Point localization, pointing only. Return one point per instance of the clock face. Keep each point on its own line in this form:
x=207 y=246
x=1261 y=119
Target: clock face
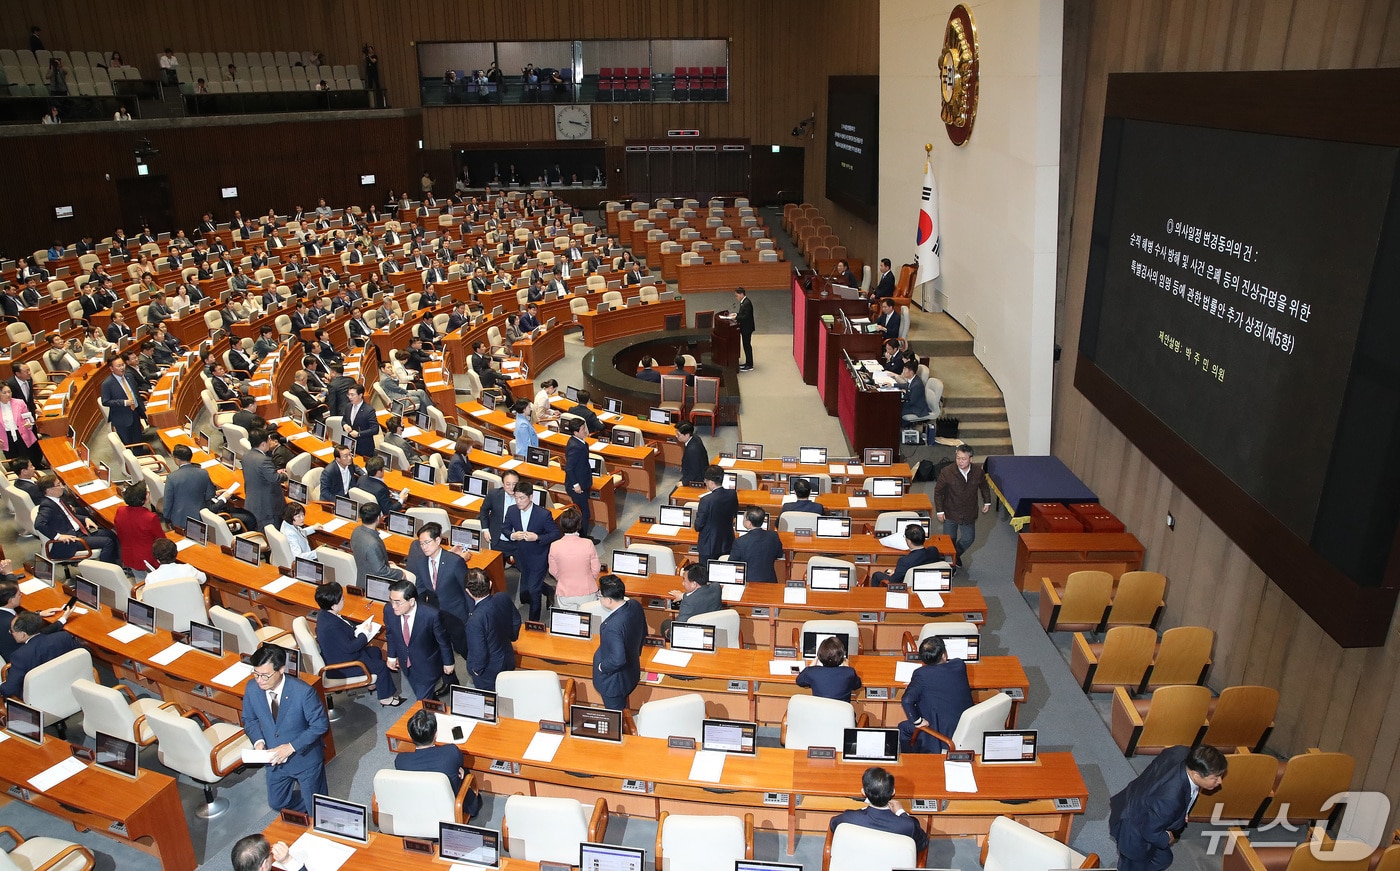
x=573 y=122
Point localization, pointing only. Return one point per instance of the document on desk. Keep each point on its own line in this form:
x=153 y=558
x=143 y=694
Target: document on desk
x=543 y=747
x=90 y=487
x=109 y=502
x=183 y=543
x=510 y=464
x=208 y=463
x=481 y=412
x=332 y=525
x=895 y=540
x=855 y=470
x=69 y=467
x=446 y=723
x=126 y=633
x=171 y=653
x=957 y=777
x=319 y=854
x=411 y=431
x=444 y=444
x=676 y=658
x=234 y=675
x=731 y=592
x=33 y=585
x=56 y=774
x=252 y=756
x=708 y=766
x=725 y=462
x=855 y=502
x=466 y=501
x=177 y=432
x=838 y=469
x=785 y=667
x=663 y=529
x=930 y=599
x=278 y=585
x=794 y=595
x=904 y=671
x=897 y=600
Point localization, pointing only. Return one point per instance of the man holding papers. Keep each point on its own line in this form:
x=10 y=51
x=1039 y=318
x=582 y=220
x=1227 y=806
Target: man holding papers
x=937 y=696
x=286 y=717
x=918 y=555
x=617 y=664
x=882 y=811
x=343 y=641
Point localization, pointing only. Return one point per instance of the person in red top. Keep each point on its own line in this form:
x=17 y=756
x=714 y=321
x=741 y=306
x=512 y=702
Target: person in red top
x=137 y=527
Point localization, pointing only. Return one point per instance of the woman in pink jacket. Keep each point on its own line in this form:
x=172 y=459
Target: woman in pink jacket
x=17 y=436
x=573 y=561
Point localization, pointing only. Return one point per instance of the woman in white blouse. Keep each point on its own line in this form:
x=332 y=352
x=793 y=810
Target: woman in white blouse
x=96 y=344
x=295 y=530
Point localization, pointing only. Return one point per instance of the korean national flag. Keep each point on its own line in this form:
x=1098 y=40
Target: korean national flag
x=927 y=236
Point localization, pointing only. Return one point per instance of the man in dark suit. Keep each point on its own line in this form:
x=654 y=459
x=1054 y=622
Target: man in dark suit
x=938 y=694
x=339 y=476
x=263 y=496
x=533 y=531
x=60 y=522
x=360 y=329
x=22 y=386
x=337 y=391
x=884 y=289
x=417 y=640
x=883 y=811
x=372 y=482
x=428 y=755
x=286 y=716
x=492 y=513
x=696 y=596
x=694 y=458
x=802 y=489
x=714 y=520
x=757 y=548
x=117 y=329
x=359 y=421
x=247 y=415
x=578 y=475
x=10 y=608
x=889 y=319
x=125 y=410
x=743 y=316
x=617 y=664
x=26 y=479
x=583 y=410
x=440 y=577
x=342 y=641
x=1149 y=815
x=188 y=488
x=34 y=647
x=223 y=390
x=491 y=630
x=918 y=555
x=647 y=372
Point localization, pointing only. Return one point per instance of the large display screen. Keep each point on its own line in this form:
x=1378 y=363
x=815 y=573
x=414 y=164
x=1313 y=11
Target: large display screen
x=852 y=143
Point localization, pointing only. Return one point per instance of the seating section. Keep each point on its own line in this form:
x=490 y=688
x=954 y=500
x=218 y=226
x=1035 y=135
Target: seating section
x=1261 y=787
x=1092 y=601
x=1131 y=657
x=813 y=234
x=90 y=73
x=259 y=72
x=1241 y=717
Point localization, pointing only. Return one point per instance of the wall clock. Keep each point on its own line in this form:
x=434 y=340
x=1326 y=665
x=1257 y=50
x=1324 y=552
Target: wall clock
x=573 y=122
x=957 y=74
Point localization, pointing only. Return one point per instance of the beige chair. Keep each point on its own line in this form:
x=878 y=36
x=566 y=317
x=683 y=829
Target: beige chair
x=1243 y=793
x=1123 y=659
x=246 y=630
x=848 y=630
x=1014 y=846
x=857 y=848
x=44 y=854
x=706 y=401
x=108 y=576
x=1083 y=605
x=1138 y=599
x=411 y=804
x=1173 y=715
x=279 y=551
x=49 y=687
x=541 y=829
x=533 y=695
x=792 y=520
x=680 y=716
x=1183 y=657
x=988 y=715
x=182 y=598
x=663 y=559
x=810 y=721
x=1243 y=716
x=207 y=754
x=116 y=711
x=727 y=626
x=312 y=662
x=702 y=842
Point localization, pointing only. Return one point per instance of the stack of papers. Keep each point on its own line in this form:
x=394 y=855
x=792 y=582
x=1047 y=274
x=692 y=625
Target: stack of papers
x=177 y=432
x=252 y=756
x=931 y=599
x=56 y=774
x=511 y=464
x=794 y=595
x=183 y=543
x=278 y=585
x=708 y=766
x=957 y=776
x=855 y=501
x=725 y=462
x=171 y=653
x=90 y=487
x=127 y=633
x=109 y=502
x=234 y=675
x=333 y=524
x=411 y=431
x=855 y=470
x=896 y=600
x=904 y=671
x=894 y=540
x=481 y=412
x=731 y=592
x=33 y=585
x=663 y=529
x=785 y=667
x=320 y=854
x=466 y=501
x=444 y=444
x=838 y=469
x=675 y=658
x=543 y=747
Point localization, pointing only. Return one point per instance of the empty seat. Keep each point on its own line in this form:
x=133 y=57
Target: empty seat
x=1083 y=605
x=1174 y=715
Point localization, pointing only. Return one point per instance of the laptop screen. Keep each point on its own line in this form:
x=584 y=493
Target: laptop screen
x=466 y=537
x=571 y=394
x=206 y=638
x=345 y=507
x=729 y=736
x=962 y=647
x=86 y=592
x=297 y=492
x=606 y=857
x=870 y=745
x=339 y=818
x=600 y=724
x=828 y=577
x=423 y=473
x=574 y=624
x=493 y=445
x=878 y=456
x=811 y=456
x=674 y=515
x=731 y=481
x=1009 y=746
x=247 y=550
x=726 y=572
x=749 y=865
x=377 y=588
x=623 y=438
x=930 y=579
x=536 y=455
x=693 y=636
x=452 y=432
x=24 y=722
x=833 y=527
x=748 y=451
x=885 y=486
x=117 y=755
x=478 y=486
x=659 y=415
x=401 y=523
x=488 y=400
x=196 y=531
x=43 y=569
x=612 y=405
x=473 y=703
x=310 y=570
x=141 y=615
x=461 y=843
x=626 y=562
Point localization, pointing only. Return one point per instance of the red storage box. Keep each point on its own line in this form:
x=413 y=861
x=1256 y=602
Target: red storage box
x=1053 y=517
x=1095 y=517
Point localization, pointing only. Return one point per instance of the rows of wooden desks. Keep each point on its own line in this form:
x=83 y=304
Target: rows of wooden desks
x=844 y=476
x=599 y=327
x=699 y=278
x=662 y=435
x=856 y=507
x=784 y=790
x=741 y=683
x=863 y=550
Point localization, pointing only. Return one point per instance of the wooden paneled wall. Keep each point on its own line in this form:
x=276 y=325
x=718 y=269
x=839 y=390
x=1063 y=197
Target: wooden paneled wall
x=781 y=52
x=1335 y=699
x=278 y=165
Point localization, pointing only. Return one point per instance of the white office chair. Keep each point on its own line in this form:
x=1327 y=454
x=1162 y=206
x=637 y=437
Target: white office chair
x=183 y=598
x=410 y=804
x=848 y=629
x=247 y=630
x=793 y=520
x=340 y=564
x=833 y=562
x=1012 y=846
x=107 y=576
x=928 y=630
x=700 y=842
x=663 y=559
x=988 y=715
x=857 y=848
x=679 y=715
x=298 y=466
x=314 y=663
x=116 y=711
x=727 y=626
x=887 y=522
x=430 y=515
x=44 y=854
x=533 y=695
x=810 y=721
x=279 y=551
x=49 y=687
x=205 y=754
x=540 y=829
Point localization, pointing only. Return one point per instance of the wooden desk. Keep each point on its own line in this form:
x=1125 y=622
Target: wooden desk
x=843 y=475
x=542 y=351
x=834 y=503
x=662 y=435
x=808 y=306
x=144 y=813
x=1054 y=555
x=631 y=321
x=869 y=418
x=382 y=852
x=833 y=342
x=727 y=276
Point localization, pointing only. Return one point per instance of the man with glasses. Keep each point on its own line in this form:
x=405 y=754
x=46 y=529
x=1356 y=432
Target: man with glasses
x=440 y=576
x=417 y=640
x=284 y=715
x=533 y=530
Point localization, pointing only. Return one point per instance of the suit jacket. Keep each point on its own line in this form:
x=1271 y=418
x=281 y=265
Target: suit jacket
x=1144 y=815
x=337 y=402
x=51 y=522
x=885 y=820
x=919 y=556
x=590 y=418
x=262 y=490
x=8 y=645
x=301 y=721
x=32 y=654
x=116 y=332
x=890 y=322
x=939 y=694
x=445 y=759
x=532 y=557
x=364 y=423
x=249 y=420
x=494 y=625
x=332 y=482
x=31 y=488
x=714 y=522
x=759 y=549
x=701 y=600
x=830 y=682
x=187 y=489
x=381 y=493
x=450 y=595
x=371 y=556
x=28 y=398
x=492 y=513
x=886 y=286
x=339 y=642
x=808 y=505
x=120 y=415
x=427 y=650
x=649 y=374
x=745 y=315
x=617 y=663
x=576 y=468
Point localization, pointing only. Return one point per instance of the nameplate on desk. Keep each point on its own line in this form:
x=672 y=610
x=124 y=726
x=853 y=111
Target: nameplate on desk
x=777 y=490
x=647 y=520
x=877 y=693
x=503 y=766
x=927 y=805
x=85 y=754
x=758 y=613
x=653 y=641
x=802 y=533
x=353 y=590
x=789 y=461
x=738 y=686
x=1015 y=693
x=1068 y=804
x=897 y=587
x=418 y=845
x=860 y=493
x=961 y=756
x=912 y=657
x=554 y=727
x=821 y=752
x=680 y=742
x=641 y=787
x=555 y=866
x=870 y=616
x=534 y=626
x=296 y=818
x=775 y=799
x=434 y=706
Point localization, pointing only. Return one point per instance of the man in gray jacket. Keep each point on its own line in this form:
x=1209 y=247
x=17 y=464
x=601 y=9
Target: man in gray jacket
x=262 y=483
x=371 y=556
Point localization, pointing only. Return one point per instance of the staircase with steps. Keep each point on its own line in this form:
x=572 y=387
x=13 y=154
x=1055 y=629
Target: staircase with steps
x=969 y=393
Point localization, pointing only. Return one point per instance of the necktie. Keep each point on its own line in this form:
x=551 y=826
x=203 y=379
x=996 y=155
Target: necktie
x=406 y=630
x=433 y=572
x=127 y=388
x=72 y=518
x=272 y=703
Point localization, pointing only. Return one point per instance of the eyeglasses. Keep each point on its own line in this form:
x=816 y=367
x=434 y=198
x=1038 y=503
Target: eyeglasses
x=262 y=676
